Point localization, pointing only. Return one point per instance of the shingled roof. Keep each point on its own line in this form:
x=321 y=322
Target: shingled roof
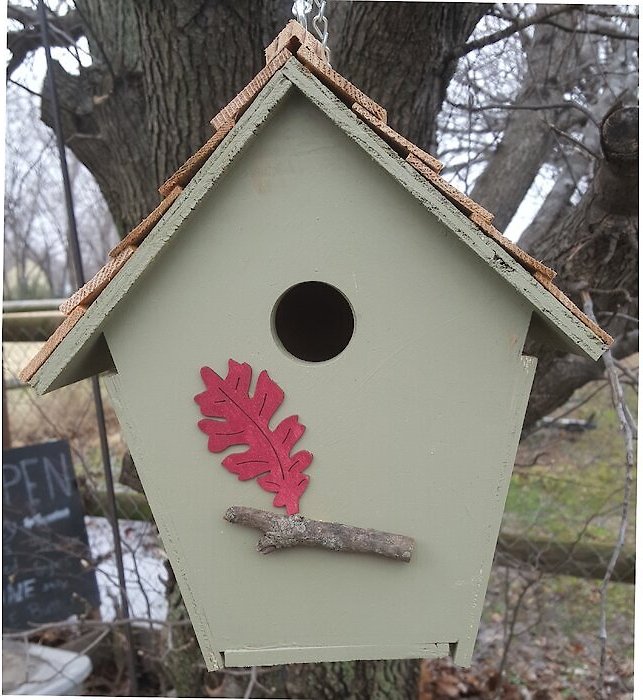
x=295 y=41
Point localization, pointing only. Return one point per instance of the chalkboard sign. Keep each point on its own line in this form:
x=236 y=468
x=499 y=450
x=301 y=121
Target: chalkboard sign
x=45 y=570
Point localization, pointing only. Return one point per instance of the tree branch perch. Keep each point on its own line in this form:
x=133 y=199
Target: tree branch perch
x=283 y=531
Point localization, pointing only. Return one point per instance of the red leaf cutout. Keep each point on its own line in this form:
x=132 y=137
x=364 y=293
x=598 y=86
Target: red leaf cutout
x=236 y=418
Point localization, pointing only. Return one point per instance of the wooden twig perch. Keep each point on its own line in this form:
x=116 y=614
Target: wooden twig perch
x=282 y=531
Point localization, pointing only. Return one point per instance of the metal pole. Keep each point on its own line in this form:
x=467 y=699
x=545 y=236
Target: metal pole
x=6 y=434
x=98 y=401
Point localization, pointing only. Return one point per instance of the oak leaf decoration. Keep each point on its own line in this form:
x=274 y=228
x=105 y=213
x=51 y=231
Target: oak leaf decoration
x=233 y=417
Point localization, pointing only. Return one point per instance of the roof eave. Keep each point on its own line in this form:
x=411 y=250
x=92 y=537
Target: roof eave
x=583 y=339
x=88 y=329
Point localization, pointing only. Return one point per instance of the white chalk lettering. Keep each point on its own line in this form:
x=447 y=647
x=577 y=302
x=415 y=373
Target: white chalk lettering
x=57 y=476
x=52 y=517
x=13 y=593
x=31 y=485
x=10 y=478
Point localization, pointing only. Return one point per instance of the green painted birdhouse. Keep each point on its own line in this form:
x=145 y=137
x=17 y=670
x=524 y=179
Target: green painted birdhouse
x=309 y=270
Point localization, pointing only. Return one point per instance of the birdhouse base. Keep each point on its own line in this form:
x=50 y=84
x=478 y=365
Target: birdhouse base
x=281 y=655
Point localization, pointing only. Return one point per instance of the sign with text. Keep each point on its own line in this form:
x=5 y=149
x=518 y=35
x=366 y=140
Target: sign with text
x=45 y=571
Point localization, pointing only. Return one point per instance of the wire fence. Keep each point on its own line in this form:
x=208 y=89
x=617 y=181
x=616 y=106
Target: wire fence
x=541 y=618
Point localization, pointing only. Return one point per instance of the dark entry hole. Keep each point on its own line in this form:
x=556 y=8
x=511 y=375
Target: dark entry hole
x=313 y=321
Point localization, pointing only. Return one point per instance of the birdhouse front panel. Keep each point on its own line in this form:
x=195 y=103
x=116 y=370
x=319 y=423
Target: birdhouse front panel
x=395 y=345
x=316 y=336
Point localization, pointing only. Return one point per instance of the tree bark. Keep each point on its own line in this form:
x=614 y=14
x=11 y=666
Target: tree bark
x=285 y=531
x=355 y=680
x=595 y=248
x=158 y=77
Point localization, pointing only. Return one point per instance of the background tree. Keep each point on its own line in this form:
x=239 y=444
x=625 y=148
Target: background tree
x=528 y=106
x=37 y=263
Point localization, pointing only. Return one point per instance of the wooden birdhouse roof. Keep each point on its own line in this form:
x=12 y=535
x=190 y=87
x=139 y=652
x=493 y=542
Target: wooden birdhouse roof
x=295 y=59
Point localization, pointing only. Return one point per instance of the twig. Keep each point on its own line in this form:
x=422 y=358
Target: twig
x=572 y=139
x=92 y=623
x=251 y=682
x=516 y=26
x=282 y=531
x=626 y=371
x=510 y=627
x=24 y=87
x=569 y=104
x=622 y=412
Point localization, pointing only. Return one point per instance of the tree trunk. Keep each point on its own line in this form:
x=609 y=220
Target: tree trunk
x=158 y=77
x=528 y=138
x=575 y=166
x=355 y=680
x=595 y=248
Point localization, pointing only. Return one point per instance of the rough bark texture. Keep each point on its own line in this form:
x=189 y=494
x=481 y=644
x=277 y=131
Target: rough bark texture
x=355 y=680
x=595 y=248
x=285 y=531
x=158 y=77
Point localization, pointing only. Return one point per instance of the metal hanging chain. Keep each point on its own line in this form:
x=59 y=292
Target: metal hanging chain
x=320 y=23
x=301 y=9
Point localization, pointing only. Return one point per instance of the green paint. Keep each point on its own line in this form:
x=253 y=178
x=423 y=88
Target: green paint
x=544 y=303
x=271 y=656
x=435 y=356
x=397 y=464
x=63 y=360
x=67 y=362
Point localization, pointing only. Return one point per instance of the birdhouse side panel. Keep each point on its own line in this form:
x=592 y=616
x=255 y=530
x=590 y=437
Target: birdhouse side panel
x=409 y=423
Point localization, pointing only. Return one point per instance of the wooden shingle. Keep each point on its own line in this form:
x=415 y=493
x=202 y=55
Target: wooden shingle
x=464 y=203
x=194 y=163
x=400 y=144
x=138 y=234
x=91 y=289
x=238 y=105
x=344 y=89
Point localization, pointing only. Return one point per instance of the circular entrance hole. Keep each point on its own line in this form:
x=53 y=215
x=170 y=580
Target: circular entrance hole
x=313 y=321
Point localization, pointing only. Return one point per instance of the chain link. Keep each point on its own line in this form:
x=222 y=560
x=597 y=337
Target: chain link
x=301 y=9
x=320 y=23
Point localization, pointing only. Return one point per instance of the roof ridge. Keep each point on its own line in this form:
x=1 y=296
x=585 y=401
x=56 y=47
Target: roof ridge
x=295 y=41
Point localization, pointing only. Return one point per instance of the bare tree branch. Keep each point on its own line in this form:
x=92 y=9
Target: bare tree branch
x=530 y=107
x=538 y=18
x=603 y=31
x=65 y=31
x=622 y=412
x=576 y=142
x=282 y=531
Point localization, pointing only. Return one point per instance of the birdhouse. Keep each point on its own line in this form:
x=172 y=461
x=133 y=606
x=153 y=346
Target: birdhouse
x=316 y=342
